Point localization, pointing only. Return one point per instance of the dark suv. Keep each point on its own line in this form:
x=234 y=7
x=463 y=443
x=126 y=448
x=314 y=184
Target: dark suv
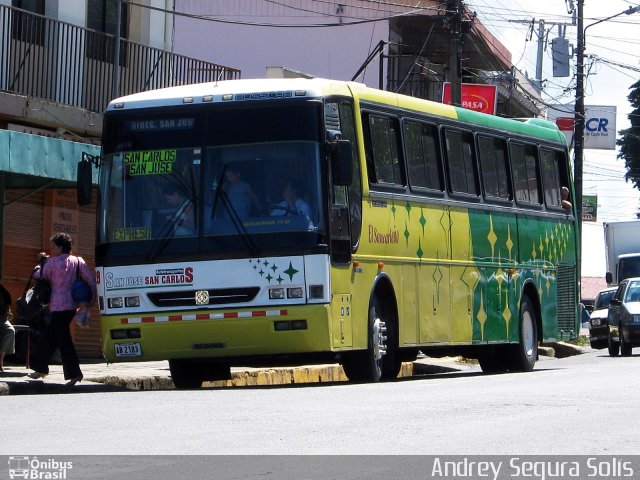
x=598 y=325
x=624 y=318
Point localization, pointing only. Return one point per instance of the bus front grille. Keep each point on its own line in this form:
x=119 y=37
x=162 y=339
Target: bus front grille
x=219 y=296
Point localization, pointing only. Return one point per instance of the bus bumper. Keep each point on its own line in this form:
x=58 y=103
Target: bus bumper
x=216 y=334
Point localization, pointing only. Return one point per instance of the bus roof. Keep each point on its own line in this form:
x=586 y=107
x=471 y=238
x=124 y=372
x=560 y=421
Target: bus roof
x=274 y=88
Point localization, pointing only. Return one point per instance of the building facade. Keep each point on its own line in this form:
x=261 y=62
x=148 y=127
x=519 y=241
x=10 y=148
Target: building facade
x=59 y=67
x=405 y=46
x=60 y=64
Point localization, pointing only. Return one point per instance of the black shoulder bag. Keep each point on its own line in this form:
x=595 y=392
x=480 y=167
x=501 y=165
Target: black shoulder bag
x=34 y=300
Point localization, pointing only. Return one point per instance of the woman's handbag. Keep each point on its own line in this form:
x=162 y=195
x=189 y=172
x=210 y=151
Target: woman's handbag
x=34 y=299
x=80 y=290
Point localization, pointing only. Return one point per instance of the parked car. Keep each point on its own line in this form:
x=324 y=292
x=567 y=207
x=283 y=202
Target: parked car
x=624 y=318
x=598 y=325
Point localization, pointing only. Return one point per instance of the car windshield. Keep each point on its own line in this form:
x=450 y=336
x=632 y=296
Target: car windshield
x=603 y=299
x=633 y=293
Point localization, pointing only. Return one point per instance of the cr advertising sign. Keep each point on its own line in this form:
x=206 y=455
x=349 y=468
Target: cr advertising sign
x=599 y=125
x=481 y=98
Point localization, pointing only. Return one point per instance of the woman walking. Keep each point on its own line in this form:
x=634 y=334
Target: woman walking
x=61 y=269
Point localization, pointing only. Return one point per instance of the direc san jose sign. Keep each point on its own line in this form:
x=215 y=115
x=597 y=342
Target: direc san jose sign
x=599 y=125
x=481 y=98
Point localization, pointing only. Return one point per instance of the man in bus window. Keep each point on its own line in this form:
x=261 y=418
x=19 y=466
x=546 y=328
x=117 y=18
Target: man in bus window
x=291 y=203
x=182 y=215
x=566 y=204
x=239 y=193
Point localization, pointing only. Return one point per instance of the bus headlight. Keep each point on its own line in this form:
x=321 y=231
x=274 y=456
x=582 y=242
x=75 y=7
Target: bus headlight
x=276 y=293
x=295 y=292
x=115 y=302
x=132 y=301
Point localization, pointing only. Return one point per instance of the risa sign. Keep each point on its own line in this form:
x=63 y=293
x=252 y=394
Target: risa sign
x=599 y=126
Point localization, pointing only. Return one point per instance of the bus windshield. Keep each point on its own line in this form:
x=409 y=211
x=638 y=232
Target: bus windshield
x=237 y=178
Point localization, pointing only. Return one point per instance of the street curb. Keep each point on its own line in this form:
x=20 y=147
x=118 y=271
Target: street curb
x=564 y=349
x=331 y=373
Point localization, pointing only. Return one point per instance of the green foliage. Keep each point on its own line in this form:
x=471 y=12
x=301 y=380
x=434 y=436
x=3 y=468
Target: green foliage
x=629 y=140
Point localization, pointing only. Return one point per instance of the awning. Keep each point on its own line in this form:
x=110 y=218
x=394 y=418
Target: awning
x=34 y=161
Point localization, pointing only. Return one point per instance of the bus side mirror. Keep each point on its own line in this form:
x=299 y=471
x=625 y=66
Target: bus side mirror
x=341 y=165
x=609 y=278
x=84 y=180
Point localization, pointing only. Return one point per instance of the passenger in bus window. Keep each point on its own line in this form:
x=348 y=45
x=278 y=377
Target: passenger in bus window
x=566 y=204
x=239 y=193
x=291 y=203
x=182 y=214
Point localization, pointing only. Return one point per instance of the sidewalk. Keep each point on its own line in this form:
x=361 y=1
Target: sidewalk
x=102 y=377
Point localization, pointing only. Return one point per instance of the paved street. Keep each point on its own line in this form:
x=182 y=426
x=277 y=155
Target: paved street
x=565 y=406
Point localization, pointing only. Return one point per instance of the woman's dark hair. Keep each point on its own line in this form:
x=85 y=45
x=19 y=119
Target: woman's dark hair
x=62 y=240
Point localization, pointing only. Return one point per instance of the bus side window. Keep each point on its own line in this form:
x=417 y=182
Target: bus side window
x=422 y=155
x=525 y=172
x=461 y=162
x=384 y=137
x=493 y=163
x=552 y=180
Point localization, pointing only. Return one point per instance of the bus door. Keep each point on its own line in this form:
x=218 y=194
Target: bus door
x=434 y=274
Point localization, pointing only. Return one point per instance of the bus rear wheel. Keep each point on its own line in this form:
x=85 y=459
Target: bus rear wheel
x=494 y=359
x=380 y=361
x=526 y=352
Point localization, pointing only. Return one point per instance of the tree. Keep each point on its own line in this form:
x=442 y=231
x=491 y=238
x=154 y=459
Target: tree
x=629 y=140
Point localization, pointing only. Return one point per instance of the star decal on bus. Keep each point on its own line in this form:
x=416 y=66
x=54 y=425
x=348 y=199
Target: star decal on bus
x=291 y=271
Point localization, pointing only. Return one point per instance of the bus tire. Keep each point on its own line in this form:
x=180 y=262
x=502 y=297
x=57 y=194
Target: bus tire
x=612 y=346
x=185 y=374
x=494 y=359
x=380 y=360
x=526 y=352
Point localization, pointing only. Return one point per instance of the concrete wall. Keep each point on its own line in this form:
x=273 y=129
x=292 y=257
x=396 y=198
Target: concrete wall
x=335 y=52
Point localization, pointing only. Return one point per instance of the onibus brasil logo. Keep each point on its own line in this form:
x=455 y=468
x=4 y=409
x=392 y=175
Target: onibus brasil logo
x=34 y=468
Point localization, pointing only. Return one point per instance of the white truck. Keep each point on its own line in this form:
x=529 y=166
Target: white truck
x=622 y=250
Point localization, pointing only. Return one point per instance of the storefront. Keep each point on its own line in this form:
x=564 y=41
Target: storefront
x=37 y=181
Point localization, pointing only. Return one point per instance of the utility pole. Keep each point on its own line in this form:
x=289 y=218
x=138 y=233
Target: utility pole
x=539 y=58
x=578 y=131
x=455 y=11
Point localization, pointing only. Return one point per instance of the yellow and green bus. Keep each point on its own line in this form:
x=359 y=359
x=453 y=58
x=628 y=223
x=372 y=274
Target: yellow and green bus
x=270 y=221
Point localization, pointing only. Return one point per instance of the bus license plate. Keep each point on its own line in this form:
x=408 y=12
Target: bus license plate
x=128 y=349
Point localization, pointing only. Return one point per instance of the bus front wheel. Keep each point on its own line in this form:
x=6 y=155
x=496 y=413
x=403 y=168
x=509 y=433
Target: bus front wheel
x=190 y=373
x=380 y=361
x=185 y=374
